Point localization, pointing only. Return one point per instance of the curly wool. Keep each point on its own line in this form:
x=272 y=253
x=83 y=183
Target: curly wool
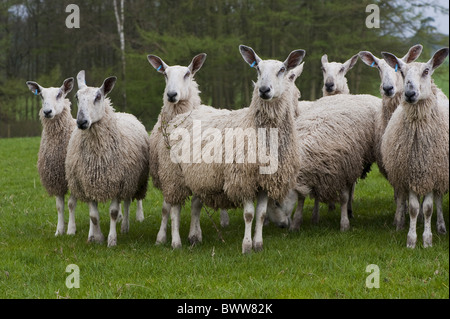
x=53 y=149
x=228 y=185
x=110 y=159
x=336 y=144
x=415 y=147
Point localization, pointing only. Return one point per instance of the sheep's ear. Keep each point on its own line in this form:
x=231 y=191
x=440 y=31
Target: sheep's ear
x=249 y=55
x=67 y=86
x=34 y=87
x=413 y=53
x=350 y=63
x=393 y=61
x=294 y=59
x=81 y=80
x=296 y=72
x=324 y=59
x=157 y=63
x=108 y=85
x=197 y=63
x=438 y=58
x=368 y=58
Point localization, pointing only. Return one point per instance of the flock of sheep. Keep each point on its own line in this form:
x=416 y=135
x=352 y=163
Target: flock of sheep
x=321 y=148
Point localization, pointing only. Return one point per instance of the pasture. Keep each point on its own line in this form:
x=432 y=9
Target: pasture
x=317 y=262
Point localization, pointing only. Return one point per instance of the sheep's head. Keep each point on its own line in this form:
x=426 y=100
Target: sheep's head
x=53 y=99
x=391 y=81
x=417 y=81
x=178 y=78
x=334 y=74
x=273 y=76
x=91 y=106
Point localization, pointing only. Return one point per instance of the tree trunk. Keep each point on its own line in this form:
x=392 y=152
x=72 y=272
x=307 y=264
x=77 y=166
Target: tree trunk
x=120 y=17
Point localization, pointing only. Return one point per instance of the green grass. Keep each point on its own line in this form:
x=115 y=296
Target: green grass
x=317 y=262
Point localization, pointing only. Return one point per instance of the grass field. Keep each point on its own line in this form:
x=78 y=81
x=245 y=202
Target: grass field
x=317 y=262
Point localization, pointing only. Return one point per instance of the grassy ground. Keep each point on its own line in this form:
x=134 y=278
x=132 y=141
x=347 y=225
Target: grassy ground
x=317 y=262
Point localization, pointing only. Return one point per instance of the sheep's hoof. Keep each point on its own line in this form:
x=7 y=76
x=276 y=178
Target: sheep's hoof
x=71 y=231
x=224 y=222
x=427 y=240
x=258 y=246
x=161 y=238
x=59 y=233
x=345 y=227
x=140 y=218
x=246 y=246
x=294 y=228
x=96 y=239
x=441 y=229
x=195 y=239
x=124 y=228
x=411 y=241
x=112 y=241
x=176 y=245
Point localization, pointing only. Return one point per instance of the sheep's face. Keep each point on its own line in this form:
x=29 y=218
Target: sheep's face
x=391 y=81
x=273 y=76
x=279 y=213
x=179 y=79
x=91 y=101
x=417 y=81
x=178 y=83
x=334 y=74
x=53 y=99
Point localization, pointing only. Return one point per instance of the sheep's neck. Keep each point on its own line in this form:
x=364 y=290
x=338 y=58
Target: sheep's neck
x=421 y=110
x=389 y=106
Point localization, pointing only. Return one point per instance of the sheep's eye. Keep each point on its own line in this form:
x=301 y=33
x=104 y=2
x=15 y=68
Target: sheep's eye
x=341 y=70
x=426 y=71
x=97 y=98
x=187 y=75
x=59 y=95
x=322 y=68
x=282 y=70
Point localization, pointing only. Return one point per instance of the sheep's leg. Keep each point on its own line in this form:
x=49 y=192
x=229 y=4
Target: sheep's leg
x=114 y=214
x=139 y=211
x=60 y=210
x=345 y=223
x=350 y=201
x=195 y=232
x=440 y=223
x=399 y=219
x=298 y=215
x=249 y=212
x=175 y=211
x=427 y=206
x=315 y=214
x=224 y=218
x=331 y=207
x=261 y=209
x=125 y=227
x=95 y=233
x=162 y=233
x=72 y=227
x=414 y=207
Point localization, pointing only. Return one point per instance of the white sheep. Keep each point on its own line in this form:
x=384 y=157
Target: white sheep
x=57 y=126
x=334 y=80
x=391 y=89
x=107 y=157
x=415 y=145
x=224 y=181
x=181 y=95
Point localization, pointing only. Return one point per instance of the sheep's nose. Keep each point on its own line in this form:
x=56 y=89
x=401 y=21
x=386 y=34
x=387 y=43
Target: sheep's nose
x=329 y=86
x=172 y=96
x=264 y=91
x=388 y=90
x=410 y=95
x=82 y=124
x=48 y=113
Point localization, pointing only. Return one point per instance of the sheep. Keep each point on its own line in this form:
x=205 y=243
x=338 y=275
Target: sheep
x=334 y=80
x=235 y=178
x=391 y=89
x=107 y=157
x=181 y=95
x=58 y=124
x=415 y=145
